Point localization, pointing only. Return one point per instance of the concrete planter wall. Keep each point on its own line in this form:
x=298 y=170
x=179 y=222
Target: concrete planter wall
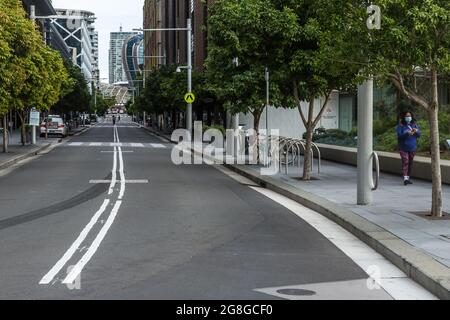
x=389 y=162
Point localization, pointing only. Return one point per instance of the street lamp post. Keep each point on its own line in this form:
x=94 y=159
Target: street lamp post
x=365 y=124
x=188 y=29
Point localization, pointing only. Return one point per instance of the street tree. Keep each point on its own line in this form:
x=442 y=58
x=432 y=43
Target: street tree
x=39 y=78
x=413 y=45
x=79 y=98
x=250 y=33
x=312 y=70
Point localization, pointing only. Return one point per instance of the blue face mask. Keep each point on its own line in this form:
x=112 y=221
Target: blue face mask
x=408 y=120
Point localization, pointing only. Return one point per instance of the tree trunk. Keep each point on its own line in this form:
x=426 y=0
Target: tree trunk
x=308 y=151
x=256 y=121
x=433 y=112
x=23 y=138
x=435 y=164
x=436 y=209
x=307 y=166
x=5 y=134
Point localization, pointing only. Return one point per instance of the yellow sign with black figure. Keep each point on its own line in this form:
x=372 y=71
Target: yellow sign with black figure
x=189 y=97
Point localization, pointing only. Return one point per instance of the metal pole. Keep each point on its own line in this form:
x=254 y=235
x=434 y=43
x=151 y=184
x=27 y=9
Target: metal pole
x=189 y=62
x=267 y=99
x=365 y=142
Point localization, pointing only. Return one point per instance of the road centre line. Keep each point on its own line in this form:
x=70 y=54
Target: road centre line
x=78 y=268
x=122 y=175
x=74 y=247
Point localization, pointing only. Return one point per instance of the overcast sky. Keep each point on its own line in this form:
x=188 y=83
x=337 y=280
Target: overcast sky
x=110 y=15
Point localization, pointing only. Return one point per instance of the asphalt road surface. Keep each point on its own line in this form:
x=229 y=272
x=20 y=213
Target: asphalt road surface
x=106 y=215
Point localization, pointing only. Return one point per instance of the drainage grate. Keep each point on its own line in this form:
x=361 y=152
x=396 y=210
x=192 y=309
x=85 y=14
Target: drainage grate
x=296 y=292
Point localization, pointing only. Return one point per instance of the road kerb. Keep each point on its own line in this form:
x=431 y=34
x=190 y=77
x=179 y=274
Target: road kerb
x=419 y=266
x=10 y=162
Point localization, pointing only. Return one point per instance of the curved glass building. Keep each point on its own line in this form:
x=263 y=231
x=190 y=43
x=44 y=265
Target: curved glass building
x=133 y=58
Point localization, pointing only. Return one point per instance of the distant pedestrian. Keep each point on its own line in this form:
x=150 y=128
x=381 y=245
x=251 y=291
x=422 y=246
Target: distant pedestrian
x=114 y=120
x=408 y=133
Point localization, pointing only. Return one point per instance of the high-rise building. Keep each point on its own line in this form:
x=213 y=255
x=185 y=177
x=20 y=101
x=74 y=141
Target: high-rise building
x=48 y=29
x=170 y=47
x=133 y=58
x=117 y=72
x=77 y=28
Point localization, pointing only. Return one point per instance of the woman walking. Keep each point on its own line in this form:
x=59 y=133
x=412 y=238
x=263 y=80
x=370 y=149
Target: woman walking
x=408 y=133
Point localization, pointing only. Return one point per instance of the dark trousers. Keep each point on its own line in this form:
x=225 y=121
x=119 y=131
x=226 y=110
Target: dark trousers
x=407 y=162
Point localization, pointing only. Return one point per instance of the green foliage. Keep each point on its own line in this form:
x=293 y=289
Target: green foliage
x=31 y=74
x=103 y=104
x=78 y=98
x=389 y=141
x=252 y=31
x=165 y=90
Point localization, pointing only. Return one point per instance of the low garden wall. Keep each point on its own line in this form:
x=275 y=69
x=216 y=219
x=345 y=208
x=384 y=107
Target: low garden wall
x=389 y=162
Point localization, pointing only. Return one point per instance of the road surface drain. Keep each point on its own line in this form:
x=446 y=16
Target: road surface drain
x=296 y=292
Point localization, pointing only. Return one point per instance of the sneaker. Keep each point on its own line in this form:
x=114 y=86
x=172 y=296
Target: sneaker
x=408 y=182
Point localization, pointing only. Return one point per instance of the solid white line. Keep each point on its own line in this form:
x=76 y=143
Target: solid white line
x=78 y=268
x=113 y=173
x=76 y=144
x=395 y=282
x=122 y=175
x=73 y=248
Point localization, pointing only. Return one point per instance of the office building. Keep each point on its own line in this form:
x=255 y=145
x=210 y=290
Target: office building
x=117 y=72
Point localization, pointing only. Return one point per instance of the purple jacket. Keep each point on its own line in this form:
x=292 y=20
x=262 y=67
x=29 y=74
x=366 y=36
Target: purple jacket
x=406 y=142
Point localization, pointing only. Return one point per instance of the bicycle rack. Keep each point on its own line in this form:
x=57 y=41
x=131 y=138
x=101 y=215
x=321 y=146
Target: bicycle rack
x=377 y=169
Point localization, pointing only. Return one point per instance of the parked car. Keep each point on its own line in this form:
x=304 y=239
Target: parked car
x=56 y=126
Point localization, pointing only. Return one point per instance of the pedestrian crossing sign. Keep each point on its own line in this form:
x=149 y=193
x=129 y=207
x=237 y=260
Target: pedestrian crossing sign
x=189 y=97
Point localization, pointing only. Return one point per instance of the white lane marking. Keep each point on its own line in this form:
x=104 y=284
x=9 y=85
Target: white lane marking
x=121 y=168
x=78 y=268
x=122 y=175
x=137 y=181
x=73 y=248
x=137 y=145
x=116 y=144
x=113 y=173
x=123 y=151
x=394 y=282
x=158 y=145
